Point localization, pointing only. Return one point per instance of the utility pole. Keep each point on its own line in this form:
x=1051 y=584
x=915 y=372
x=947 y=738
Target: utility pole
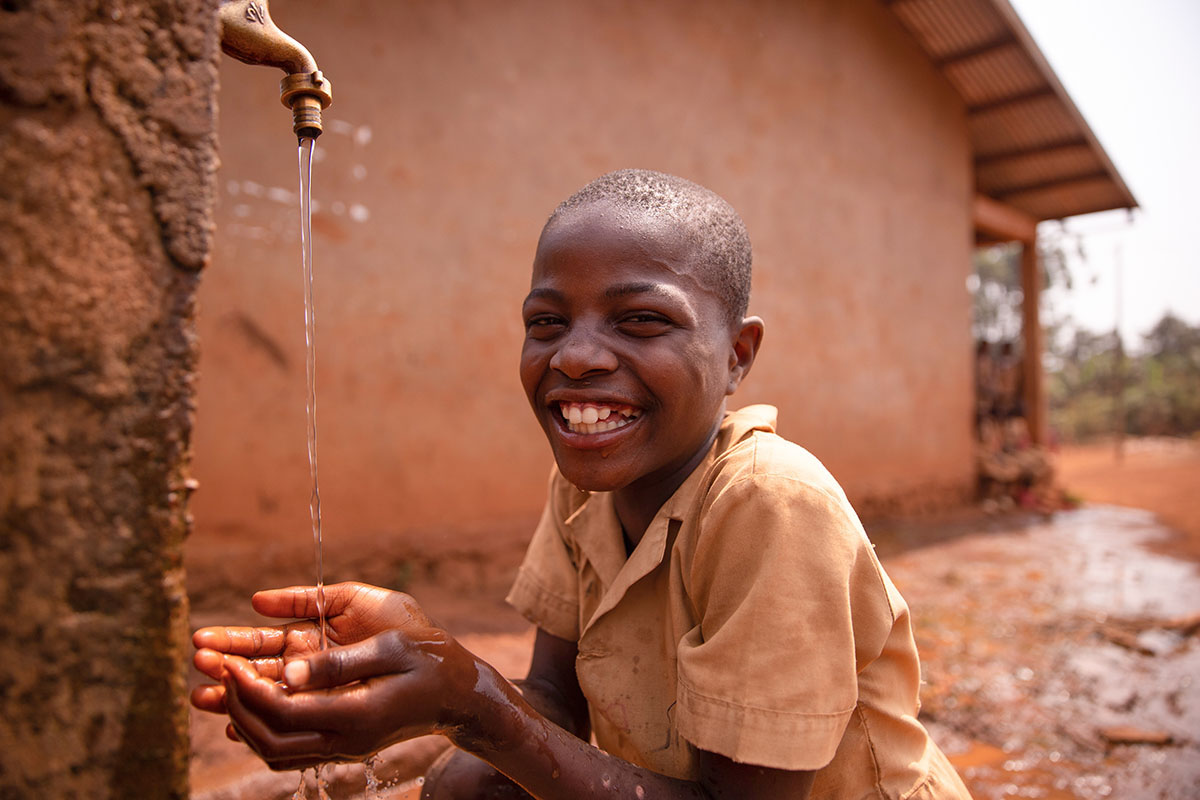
x=1118 y=366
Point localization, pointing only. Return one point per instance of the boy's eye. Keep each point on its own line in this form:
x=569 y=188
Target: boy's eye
x=645 y=323
x=543 y=326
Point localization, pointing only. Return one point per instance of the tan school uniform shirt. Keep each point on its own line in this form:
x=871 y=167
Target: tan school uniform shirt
x=752 y=620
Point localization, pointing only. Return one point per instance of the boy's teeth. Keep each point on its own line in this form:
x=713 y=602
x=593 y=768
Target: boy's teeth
x=590 y=418
x=601 y=426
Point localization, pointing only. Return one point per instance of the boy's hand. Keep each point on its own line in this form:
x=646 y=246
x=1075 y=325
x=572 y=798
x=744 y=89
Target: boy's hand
x=389 y=647
x=353 y=612
x=346 y=703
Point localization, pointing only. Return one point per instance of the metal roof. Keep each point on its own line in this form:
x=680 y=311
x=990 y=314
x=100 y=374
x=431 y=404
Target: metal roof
x=1033 y=149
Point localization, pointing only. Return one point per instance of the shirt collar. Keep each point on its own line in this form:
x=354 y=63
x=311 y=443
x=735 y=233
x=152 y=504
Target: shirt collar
x=735 y=427
x=604 y=543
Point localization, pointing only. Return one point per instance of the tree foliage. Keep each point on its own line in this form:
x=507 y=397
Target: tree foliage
x=1091 y=378
x=995 y=286
x=996 y=294
x=1160 y=383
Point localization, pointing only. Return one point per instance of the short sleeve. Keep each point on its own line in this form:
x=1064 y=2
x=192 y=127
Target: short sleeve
x=791 y=605
x=545 y=590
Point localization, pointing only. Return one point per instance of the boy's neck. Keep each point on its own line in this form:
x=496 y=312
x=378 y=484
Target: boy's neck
x=637 y=504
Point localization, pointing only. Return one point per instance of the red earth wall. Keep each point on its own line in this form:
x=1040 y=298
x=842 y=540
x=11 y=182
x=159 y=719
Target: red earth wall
x=455 y=129
x=108 y=158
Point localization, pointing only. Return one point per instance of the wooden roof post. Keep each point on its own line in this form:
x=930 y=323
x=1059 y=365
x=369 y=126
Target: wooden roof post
x=1031 y=329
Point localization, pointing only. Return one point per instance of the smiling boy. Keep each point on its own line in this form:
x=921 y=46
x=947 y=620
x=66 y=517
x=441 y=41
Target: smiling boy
x=708 y=606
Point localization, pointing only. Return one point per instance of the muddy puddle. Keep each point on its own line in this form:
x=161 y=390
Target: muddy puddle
x=1061 y=656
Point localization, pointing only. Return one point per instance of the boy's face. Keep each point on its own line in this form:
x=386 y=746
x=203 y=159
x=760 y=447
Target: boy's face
x=628 y=355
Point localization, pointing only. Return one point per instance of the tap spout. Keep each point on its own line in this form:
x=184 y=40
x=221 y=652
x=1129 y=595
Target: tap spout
x=249 y=35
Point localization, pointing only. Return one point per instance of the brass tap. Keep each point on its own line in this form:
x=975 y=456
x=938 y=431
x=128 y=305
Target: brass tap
x=249 y=35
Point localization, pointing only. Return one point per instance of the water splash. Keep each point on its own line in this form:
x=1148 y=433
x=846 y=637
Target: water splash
x=320 y=785
x=307 y=146
x=374 y=787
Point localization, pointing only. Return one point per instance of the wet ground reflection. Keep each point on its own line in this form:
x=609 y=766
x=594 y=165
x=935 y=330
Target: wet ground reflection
x=1061 y=657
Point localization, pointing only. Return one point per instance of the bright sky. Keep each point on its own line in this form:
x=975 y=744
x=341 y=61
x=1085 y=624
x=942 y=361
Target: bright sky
x=1133 y=69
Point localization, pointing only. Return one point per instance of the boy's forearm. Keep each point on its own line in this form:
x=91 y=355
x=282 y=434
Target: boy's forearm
x=548 y=701
x=461 y=774
x=548 y=761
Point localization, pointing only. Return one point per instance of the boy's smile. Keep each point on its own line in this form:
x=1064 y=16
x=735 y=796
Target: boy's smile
x=628 y=356
x=593 y=418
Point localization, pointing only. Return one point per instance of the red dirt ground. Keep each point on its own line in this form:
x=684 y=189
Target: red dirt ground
x=1024 y=672
x=1159 y=475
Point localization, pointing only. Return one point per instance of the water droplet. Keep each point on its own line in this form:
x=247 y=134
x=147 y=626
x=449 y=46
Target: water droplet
x=280 y=195
x=373 y=787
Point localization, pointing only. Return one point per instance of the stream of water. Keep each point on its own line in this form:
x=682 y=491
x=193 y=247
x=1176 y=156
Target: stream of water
x=307 y=145
x=306 y=148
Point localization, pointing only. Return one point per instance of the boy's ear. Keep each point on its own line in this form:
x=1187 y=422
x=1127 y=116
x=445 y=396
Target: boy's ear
x=746 y=342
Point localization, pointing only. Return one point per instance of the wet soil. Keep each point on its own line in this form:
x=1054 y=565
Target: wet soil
x=1158 y=474
x=1060 y=654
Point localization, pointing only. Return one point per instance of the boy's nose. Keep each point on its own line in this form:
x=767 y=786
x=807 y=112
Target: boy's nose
x=580 y=355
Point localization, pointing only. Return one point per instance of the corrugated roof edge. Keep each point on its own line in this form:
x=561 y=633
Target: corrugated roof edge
x=1018 y=35
x=1025 y=38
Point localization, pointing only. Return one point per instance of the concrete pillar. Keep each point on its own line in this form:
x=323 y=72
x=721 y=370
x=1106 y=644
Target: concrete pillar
x=107 y=152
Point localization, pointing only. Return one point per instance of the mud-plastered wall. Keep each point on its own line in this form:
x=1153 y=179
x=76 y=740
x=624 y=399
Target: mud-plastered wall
x=455 y=130
x=107 y=158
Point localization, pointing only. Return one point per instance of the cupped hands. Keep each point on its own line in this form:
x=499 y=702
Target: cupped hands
x=391 y=674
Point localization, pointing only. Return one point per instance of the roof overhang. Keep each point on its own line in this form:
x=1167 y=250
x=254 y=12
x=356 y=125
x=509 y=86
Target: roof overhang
x=1033 y=150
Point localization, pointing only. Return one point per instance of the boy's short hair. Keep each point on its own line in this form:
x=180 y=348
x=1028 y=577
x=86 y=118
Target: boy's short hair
x=715 y=229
